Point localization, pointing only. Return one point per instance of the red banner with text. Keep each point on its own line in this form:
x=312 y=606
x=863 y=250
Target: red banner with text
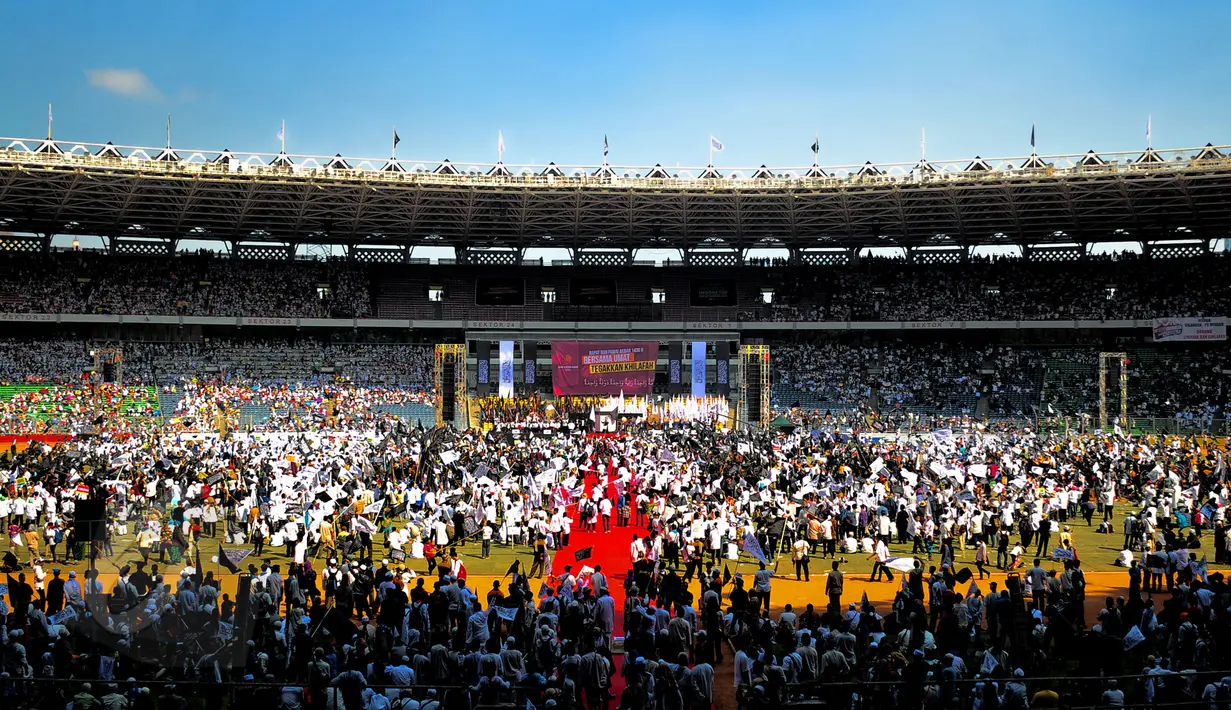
x=608 y=368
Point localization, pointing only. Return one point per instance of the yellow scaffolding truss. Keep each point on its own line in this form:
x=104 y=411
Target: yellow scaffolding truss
x=754 y=358
x=108 y=356
x=1103 y=360
x=456 y=351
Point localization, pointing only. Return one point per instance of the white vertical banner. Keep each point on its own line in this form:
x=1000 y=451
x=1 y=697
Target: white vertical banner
x=506 y=368
x=698 y=368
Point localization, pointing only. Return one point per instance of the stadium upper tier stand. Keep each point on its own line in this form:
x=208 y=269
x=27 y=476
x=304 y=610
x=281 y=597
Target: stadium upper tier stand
x=1124 y=288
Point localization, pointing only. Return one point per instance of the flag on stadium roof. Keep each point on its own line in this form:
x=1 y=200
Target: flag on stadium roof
x=715 y=144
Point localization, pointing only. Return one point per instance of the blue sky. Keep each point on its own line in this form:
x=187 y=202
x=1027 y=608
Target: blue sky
x=657 y=78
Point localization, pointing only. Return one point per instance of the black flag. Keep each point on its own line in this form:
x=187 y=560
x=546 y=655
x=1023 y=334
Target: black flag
x=513 y=568
x=726 y=576
x=226 y=561
x=396 y=139
x=604 y=145
x=816 y=146
x=584 y=553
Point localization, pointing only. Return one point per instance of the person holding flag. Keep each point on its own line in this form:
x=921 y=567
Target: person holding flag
x=881 y=556
x=761 y=584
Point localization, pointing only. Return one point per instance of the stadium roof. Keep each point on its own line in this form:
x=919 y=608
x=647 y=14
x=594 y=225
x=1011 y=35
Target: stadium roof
x=60 y=187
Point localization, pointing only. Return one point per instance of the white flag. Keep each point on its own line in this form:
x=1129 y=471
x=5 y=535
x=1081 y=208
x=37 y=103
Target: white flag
x=1133 y=638
x=715 y=144
x=989 y=664
x=500 y=141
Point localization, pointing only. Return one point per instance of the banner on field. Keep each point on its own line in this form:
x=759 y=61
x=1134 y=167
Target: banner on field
x=1189 y=329
x=698 y=368
x=608 y=368
x=506 y=368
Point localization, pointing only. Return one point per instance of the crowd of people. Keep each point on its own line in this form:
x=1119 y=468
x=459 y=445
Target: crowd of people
x=1022 y=381
x=334 y=405
x=189 y=284
x=829 y=370
x=1099 y=288
x=79 y=409
x=373 y=609
x=1124 y=286
x=887 y=374
x=64 y=360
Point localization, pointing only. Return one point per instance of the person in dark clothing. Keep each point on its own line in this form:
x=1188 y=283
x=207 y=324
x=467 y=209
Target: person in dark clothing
x=141 y=579
x=55 y=593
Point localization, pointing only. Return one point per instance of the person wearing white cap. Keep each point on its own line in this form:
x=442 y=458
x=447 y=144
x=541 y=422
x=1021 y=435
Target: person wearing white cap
x=72 y=589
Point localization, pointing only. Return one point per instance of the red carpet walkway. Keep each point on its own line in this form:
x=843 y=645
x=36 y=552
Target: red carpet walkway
x=611 y=553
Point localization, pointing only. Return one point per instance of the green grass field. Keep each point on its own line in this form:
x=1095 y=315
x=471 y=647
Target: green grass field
x=1097 y=552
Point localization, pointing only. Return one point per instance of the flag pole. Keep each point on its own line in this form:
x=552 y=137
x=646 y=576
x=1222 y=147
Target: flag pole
x=394 y=141
x=711 y=163
x=168 y=131
x=282 y=133
x=48 y=121
x=923 y=144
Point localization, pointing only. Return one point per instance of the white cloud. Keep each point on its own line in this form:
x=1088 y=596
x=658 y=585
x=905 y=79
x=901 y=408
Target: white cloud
x=129 y=83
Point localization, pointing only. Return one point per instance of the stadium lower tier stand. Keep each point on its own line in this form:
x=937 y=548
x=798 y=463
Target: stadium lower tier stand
x=946 y=376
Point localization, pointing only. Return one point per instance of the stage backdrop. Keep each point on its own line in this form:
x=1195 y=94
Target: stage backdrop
x=589 y=367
